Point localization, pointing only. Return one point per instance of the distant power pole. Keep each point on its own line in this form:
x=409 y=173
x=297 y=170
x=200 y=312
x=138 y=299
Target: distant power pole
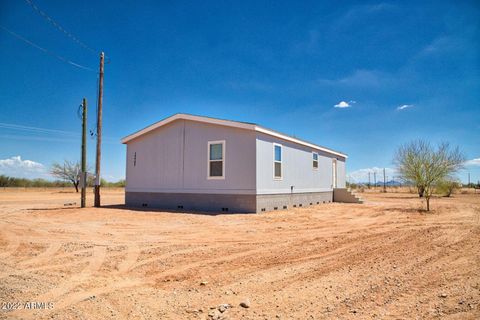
x=384 y=181
x=375 y=178
x=83 y=177
x=468 y=180
x=99 y=132
x=368 y=180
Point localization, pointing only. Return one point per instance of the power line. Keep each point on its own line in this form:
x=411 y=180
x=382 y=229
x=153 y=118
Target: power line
x=35 y=129
x=16 y=35
x=59 y=27
x=52 y=139
x=42 y=131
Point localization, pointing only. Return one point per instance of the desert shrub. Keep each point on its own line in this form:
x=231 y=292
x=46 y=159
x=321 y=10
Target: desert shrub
x=12 y=182
x=446 y=187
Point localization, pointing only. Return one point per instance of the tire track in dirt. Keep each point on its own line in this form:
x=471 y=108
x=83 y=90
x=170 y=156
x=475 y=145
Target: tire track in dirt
x=49 y=252
x=133 y=252
x=13 y=243
x=49 y=263
x=96 y=261
x=78 y=297
x=164 y=256
x=98 y=257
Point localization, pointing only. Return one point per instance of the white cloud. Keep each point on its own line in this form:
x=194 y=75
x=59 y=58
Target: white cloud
x=361 y=175
x=405 y=106
x=342 y=104
x=473 y=162
x=16 y=167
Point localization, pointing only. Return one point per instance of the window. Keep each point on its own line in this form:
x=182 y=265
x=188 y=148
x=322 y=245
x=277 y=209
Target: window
x=216 y=160
x=134 y=159
x=315 y=160
x=277 y=161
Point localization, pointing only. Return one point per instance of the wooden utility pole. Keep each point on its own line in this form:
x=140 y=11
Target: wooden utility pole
x=99 y=132
x=368 y=180
x=375 y=178
x=384 y=182
x=83 y=178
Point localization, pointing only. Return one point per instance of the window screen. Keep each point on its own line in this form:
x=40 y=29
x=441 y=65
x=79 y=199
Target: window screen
x=215 y=159
x=315 y=160
x=277 y=161
x=278 y=153
x=216 y=152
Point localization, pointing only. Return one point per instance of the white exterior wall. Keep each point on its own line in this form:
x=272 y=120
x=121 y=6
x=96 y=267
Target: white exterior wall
x=297 y=166
x=174 y=158
x=341 y=173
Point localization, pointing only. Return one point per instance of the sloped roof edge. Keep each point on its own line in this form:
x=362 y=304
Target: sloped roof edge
x=228 y=123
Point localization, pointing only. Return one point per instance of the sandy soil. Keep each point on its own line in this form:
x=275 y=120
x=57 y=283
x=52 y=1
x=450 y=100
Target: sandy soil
x=383 y=259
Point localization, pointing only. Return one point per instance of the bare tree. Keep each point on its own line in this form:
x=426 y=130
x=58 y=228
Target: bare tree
x=69 y=171
x=423 y=166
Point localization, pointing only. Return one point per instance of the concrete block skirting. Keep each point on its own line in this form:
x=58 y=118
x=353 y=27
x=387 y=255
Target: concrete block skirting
x=271 y=202
x=225 y=203
x=222 y=203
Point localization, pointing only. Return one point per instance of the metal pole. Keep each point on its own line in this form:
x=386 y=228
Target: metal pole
x=84 y=152
x=99 y=133
x=384 y=182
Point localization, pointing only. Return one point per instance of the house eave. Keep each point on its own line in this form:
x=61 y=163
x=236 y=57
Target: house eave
x=228 y=123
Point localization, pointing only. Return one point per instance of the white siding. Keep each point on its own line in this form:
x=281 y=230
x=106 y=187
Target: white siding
x=297 y=168
x=173 y=158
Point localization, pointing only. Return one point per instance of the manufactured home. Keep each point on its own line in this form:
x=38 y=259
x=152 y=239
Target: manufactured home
x=195 y=163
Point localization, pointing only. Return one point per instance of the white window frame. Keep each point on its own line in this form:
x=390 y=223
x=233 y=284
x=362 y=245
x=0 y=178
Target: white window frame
x=222 y=142
x=313 y=153
x=281 y=162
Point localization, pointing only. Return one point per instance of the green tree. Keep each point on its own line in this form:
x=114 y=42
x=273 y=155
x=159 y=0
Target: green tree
x=423 y=166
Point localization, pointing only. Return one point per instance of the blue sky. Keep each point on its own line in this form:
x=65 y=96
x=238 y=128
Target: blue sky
x=360 y=77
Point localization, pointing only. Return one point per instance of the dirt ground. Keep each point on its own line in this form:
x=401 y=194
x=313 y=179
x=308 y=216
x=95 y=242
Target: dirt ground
x=384 y=259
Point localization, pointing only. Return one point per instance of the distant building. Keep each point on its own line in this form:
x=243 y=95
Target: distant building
x=195 y=163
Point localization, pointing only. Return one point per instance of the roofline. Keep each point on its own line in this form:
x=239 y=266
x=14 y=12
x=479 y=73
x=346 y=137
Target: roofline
x=228 y=123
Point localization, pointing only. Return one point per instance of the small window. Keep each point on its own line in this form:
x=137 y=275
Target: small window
x=135 y=159
x=216 y=160
x=277 y=161
x=315 y=160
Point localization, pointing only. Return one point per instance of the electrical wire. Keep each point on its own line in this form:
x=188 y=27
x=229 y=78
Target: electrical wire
x=39 y=132
x=61 y=58
x=59 y=27
x=63 y=30
x=12 y=126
